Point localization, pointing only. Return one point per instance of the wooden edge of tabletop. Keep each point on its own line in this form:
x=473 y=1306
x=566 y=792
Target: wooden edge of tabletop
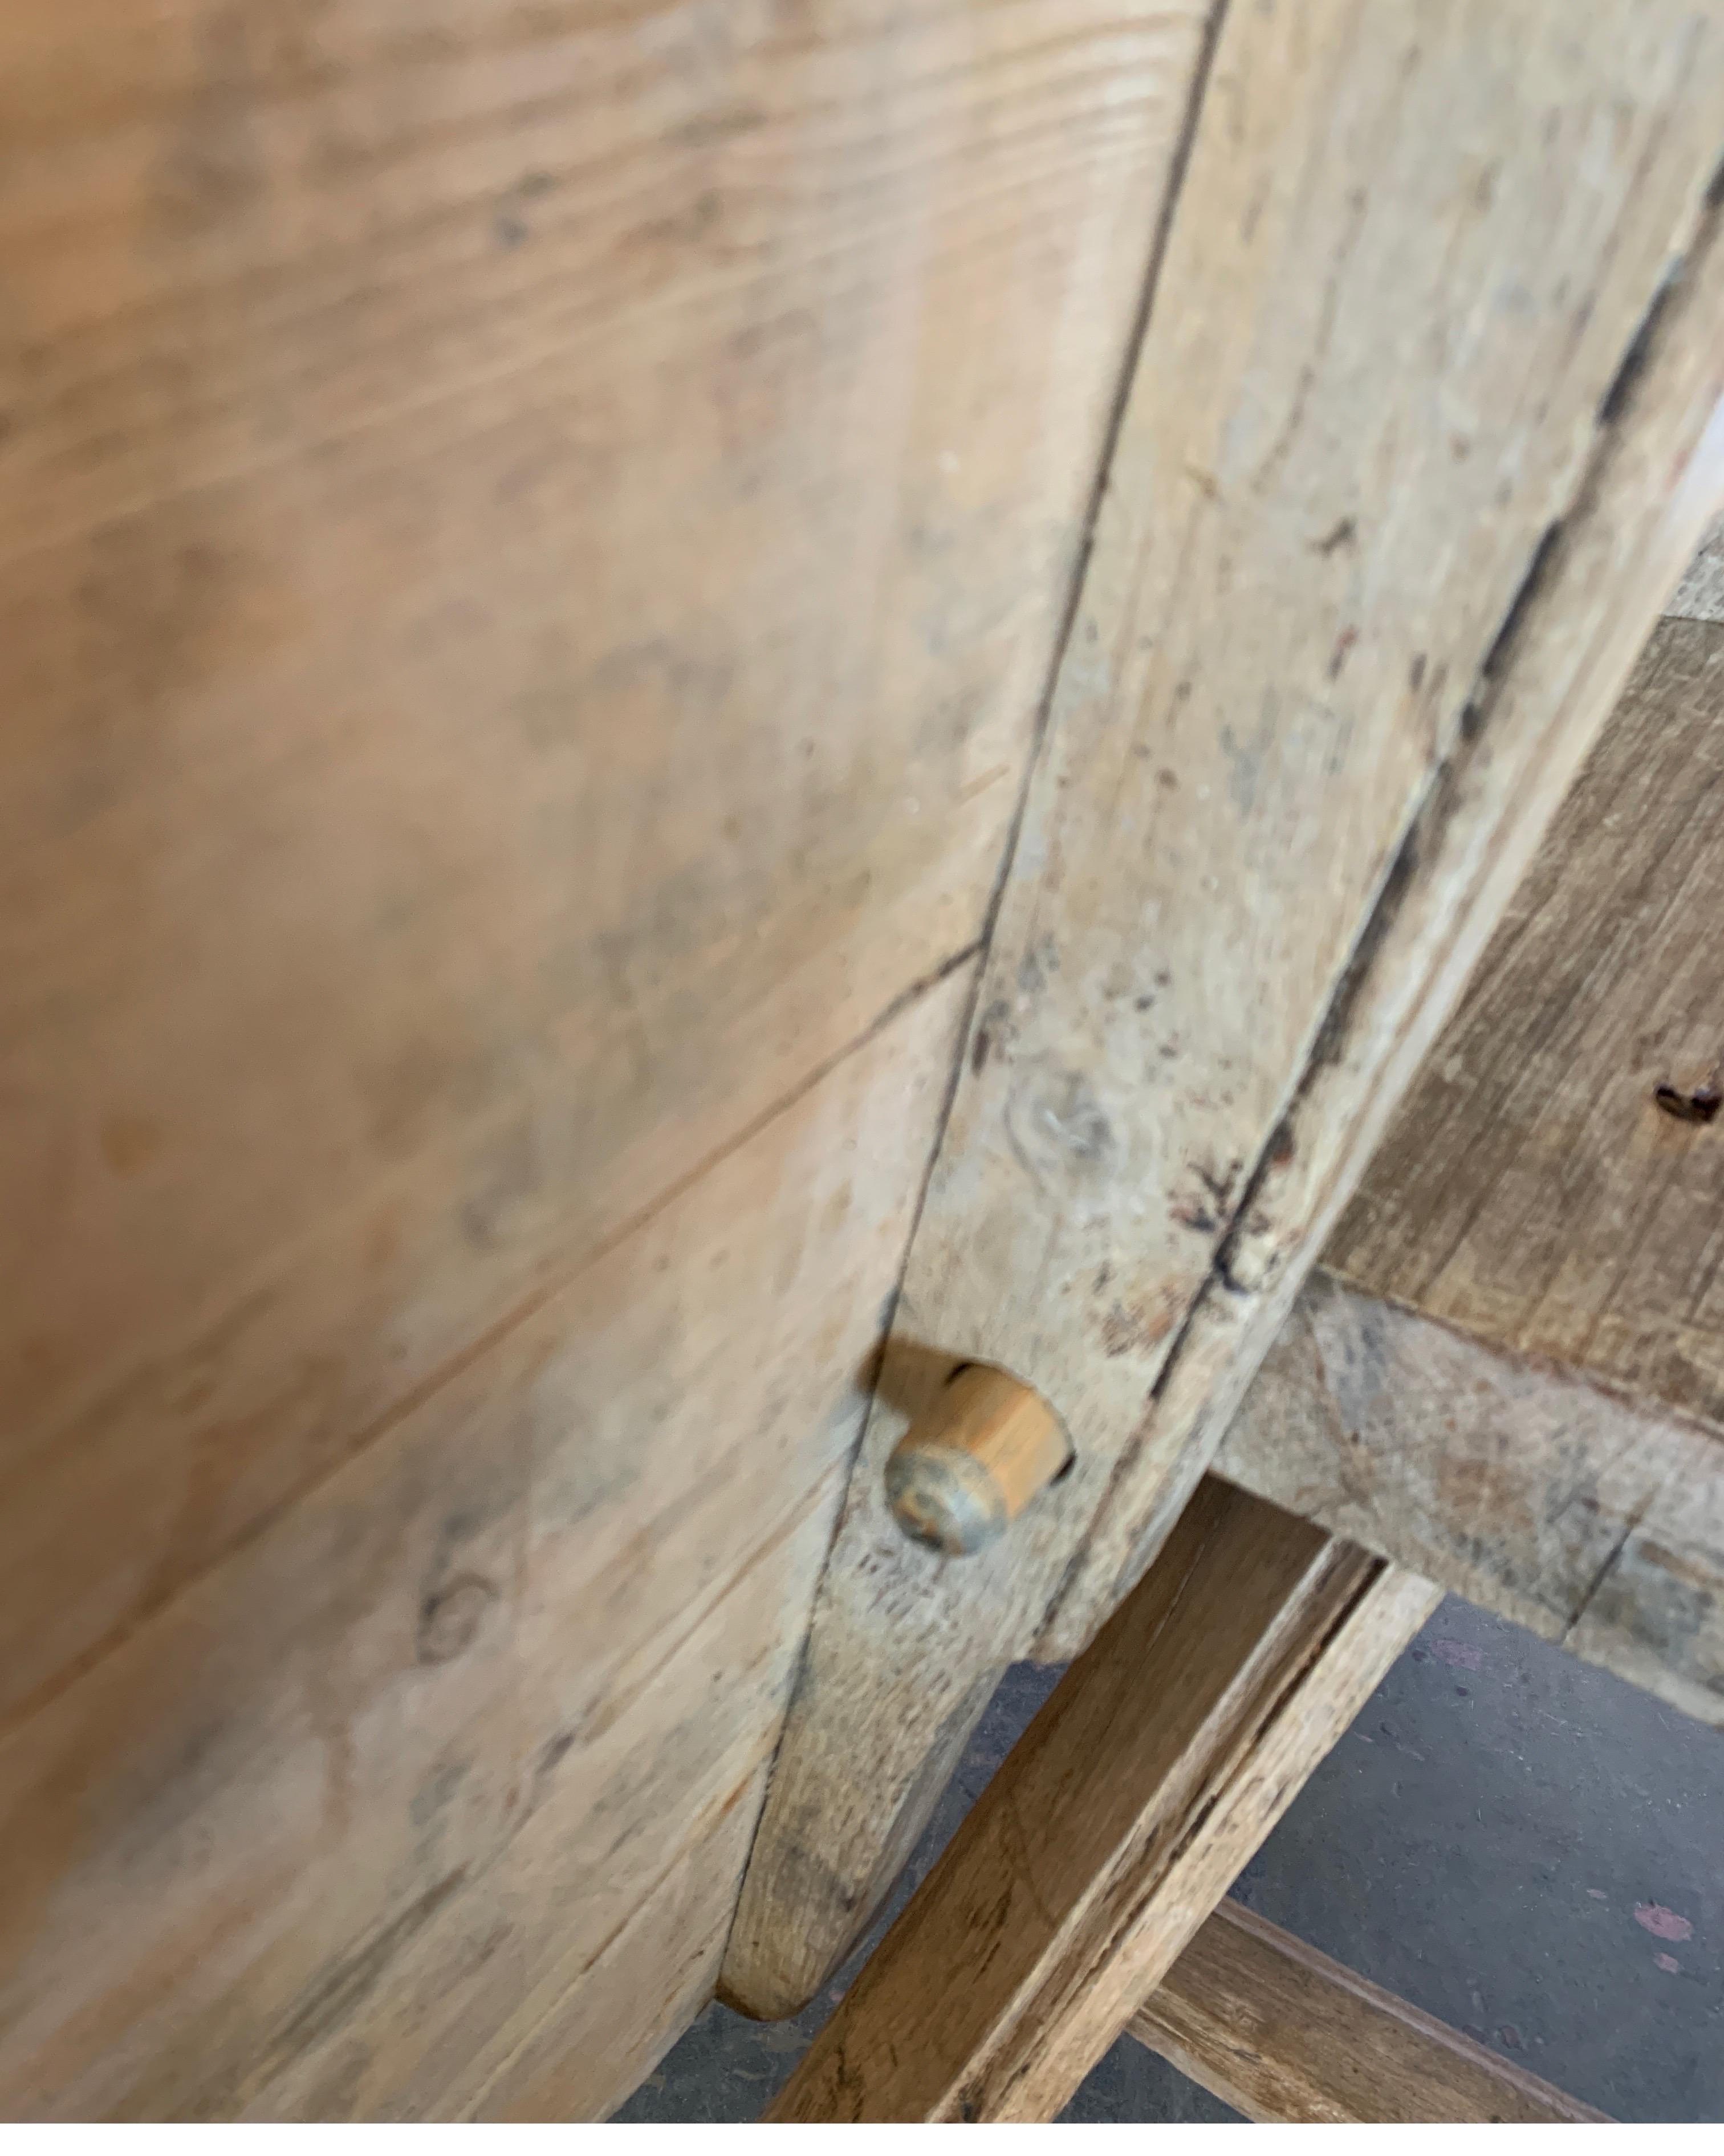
x=1594 y=1521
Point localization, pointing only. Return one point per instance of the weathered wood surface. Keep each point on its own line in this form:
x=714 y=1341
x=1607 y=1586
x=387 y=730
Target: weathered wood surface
x=530 y=542
x=1519 y=1424
x=1387 y=526
x=1286 y=2036
x=1500 y=1384
x=1700 y=596
x=529 y=546
x=465 y=1748
x=1594 y=1521
x=1534 y=1191
x=1117 y=1822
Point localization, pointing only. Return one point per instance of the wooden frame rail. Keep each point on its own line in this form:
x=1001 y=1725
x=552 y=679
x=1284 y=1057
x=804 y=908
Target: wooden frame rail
x=1288 y=2036
x=1160 y=1761
x=1083 y=1894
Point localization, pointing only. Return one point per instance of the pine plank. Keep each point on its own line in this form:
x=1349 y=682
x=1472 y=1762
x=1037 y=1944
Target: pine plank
x=530 y=540
x=461 y=1755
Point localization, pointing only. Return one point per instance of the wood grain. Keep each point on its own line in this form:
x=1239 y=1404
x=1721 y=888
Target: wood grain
x=531 y=540
x=1119 y=1819
x=1519 y=1424
x=1286 y=2036
x=529 y=544
x=1593 y=1520
x=1532 y=1191
x=461 y=1756
x=1387 y=525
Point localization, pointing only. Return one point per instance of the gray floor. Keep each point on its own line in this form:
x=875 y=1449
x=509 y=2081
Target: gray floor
x=1515 y=1842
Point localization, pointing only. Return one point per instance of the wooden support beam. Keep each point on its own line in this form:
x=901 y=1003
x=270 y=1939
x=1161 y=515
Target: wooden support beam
x=1553 y=1183
x=1591 y=1520
x=1378 y=547
x=1287 y=2036
x=1510 y=1373
x=1161 y=1760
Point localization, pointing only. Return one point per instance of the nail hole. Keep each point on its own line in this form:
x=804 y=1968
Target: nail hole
x=1699 y=1106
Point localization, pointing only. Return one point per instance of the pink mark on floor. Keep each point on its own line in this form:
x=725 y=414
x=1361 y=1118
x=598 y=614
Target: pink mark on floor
x=1457 y=1656
x=1669 y=1963
x=1597 y=1894
x=1663 y=1924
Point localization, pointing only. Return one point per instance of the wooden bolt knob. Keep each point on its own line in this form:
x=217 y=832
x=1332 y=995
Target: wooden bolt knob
x=973 y=1462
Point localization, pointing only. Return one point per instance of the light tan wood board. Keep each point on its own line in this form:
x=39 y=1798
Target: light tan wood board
x=465 y=1749
x=1117 y=1822
x=1533 y=1190
x=1412 y=455
x=1287 y=2036
x=531 y=545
